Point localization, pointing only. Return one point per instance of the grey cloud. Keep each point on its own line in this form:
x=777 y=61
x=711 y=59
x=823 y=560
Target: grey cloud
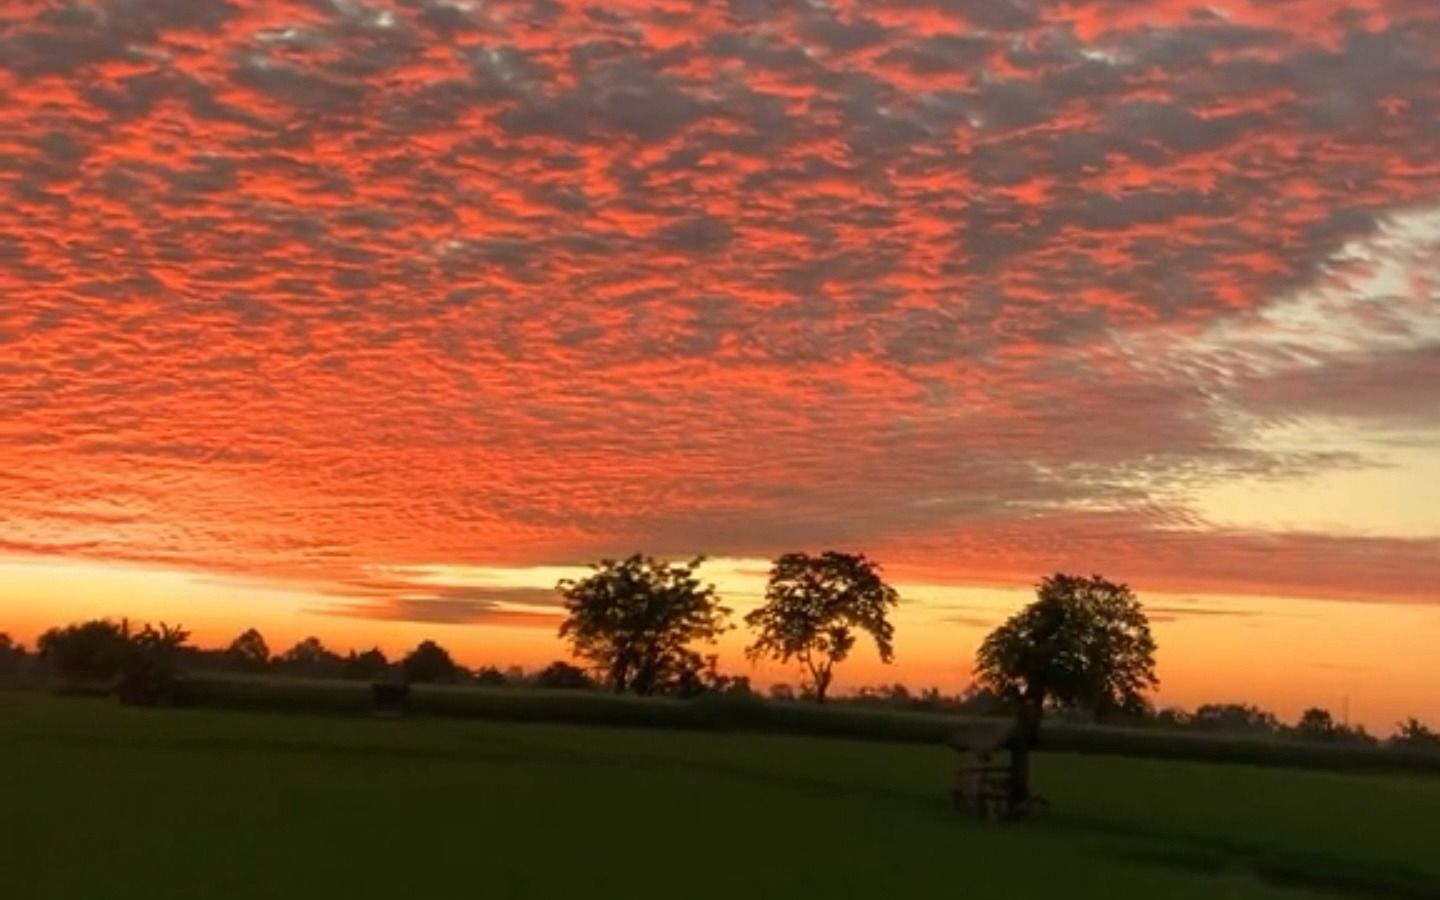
x=840 y=36
x=297 y=87
x=1398 y=387
x=942 y=54
x=1178 y=129
x=699 y=234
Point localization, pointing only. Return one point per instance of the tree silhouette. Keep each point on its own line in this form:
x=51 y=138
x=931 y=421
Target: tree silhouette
x=139 y=666
x=312 y=659
x=1414 y=733
x=563 y=676
x=368 y=666
x=1083 y=643
x=248 y=652
x=150 y=664
x=489 y=676
x=86 y=653
x=1316 y=724
x=814 y=605
x=1234 y=717
x=635 y=619
x=429 y=663
x=12 y=655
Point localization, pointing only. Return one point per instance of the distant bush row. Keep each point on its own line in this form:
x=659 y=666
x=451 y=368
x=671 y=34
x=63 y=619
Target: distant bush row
x=100 y=654
x=748 y=711
x=312 y=677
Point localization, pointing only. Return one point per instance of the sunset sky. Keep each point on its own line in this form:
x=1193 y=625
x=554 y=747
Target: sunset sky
x=372 y=319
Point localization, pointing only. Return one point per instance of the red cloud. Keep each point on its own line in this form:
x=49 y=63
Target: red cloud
x=298 y=288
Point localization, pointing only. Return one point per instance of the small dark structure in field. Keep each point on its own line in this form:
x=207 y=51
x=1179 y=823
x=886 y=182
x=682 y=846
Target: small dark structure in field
x=987 y=788
x=390 y=698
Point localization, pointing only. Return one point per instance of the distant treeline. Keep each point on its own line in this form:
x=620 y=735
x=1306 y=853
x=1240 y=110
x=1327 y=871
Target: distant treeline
x=141 y=665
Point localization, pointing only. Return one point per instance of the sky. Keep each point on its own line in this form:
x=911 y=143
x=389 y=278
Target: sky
x=371 y=319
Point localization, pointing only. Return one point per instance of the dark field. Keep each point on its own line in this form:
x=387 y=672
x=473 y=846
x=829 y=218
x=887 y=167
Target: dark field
x=728 y=712
x=107 y=802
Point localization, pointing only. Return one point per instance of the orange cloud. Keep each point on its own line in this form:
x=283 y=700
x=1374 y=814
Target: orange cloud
x=295 y=289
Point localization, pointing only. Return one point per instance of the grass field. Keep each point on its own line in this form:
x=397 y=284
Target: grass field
x=719 y=711
x=106 y=802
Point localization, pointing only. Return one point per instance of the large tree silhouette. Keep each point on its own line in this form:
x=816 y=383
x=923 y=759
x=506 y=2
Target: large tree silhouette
x=635 y=620
x=1083 y=643
x=814 y=605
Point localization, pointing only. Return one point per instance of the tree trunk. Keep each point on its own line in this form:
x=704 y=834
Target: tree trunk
x=1027 y=732
x=821 y=678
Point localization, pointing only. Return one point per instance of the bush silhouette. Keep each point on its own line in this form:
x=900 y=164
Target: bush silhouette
x=430 y=663
x=150 y=664
x=248 y=652
x=87 y=653
x=563 y=676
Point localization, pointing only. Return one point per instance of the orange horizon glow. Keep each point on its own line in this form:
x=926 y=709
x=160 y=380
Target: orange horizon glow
x=1354 y=659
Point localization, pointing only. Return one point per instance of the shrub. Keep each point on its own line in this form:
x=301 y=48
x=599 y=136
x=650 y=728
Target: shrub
x=103 y=656
x=150 y=664
x=489 y=676
x=1414 y=734
x=372 y=665
x=563 y=676
x=86 y=654
x=248 y=653
x=16 y=664
x=430 y=663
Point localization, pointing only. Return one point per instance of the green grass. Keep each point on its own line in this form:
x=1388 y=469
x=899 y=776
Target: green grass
x=269 y=693
x=107 y=802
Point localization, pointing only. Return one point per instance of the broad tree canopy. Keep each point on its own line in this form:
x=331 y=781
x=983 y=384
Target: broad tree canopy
x=815 y=605
x=635 y=620
x=1084 y=642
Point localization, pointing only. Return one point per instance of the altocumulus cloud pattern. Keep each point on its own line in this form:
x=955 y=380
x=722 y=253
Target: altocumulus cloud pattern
x=298 y=288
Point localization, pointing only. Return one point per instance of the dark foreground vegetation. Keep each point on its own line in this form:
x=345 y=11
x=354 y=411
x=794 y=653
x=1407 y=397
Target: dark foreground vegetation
x=124 y=802
x=748 y=712
x=1080 y=658
x=313 y=679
